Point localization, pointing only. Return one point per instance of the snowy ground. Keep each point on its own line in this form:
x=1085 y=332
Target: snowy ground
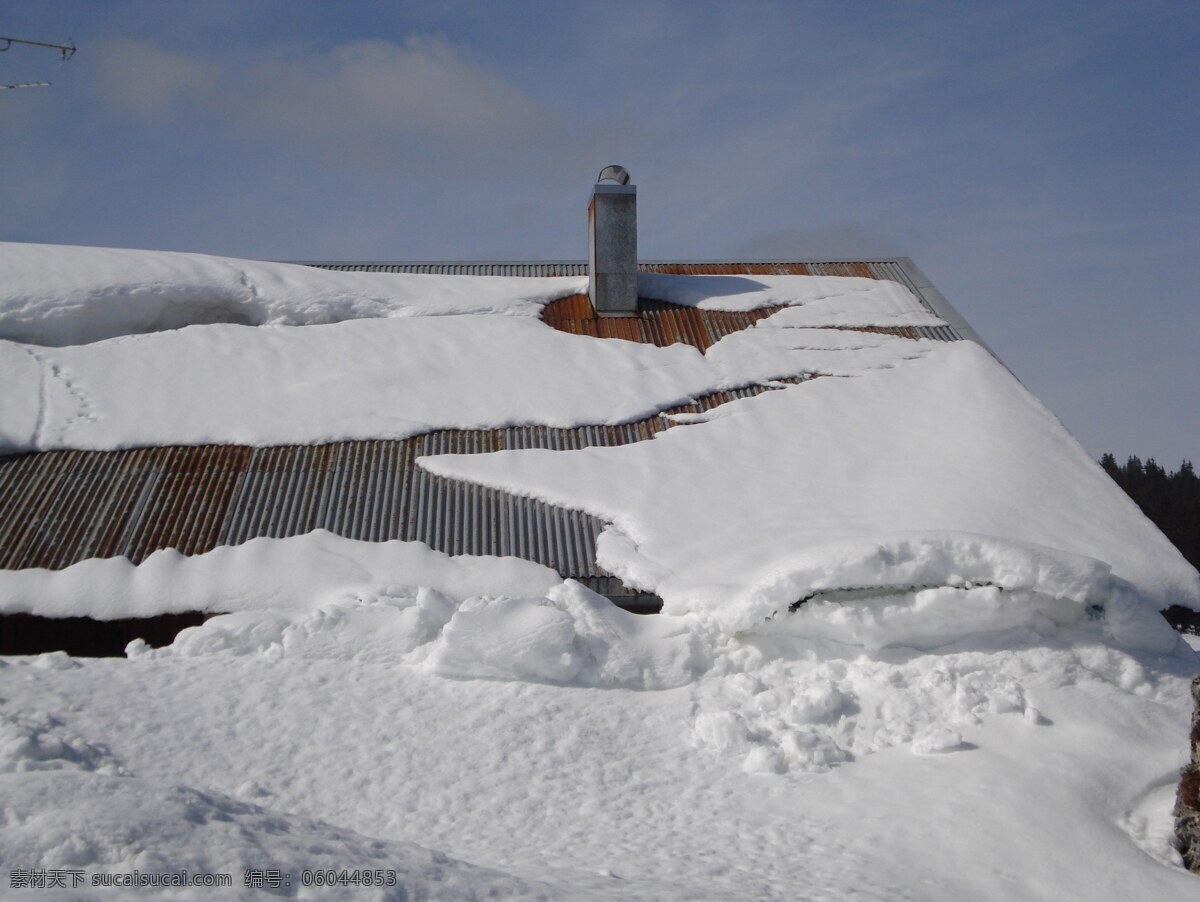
x=977 y=699
x=1013 y=766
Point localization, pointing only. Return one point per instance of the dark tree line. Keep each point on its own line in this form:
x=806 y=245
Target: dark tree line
x=1170 y=500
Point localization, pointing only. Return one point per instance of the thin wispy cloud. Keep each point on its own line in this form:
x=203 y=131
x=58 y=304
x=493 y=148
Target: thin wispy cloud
x=378 y=104
x=417 y=107
x=137 y=78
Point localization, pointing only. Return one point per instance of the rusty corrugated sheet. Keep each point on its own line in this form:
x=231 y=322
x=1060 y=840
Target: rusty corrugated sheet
x=61 y=507
x=663 y=324
x=656 y=323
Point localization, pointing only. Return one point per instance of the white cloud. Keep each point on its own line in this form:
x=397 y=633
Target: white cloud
x=423 y=105
x=377 y=102
x=139 y=78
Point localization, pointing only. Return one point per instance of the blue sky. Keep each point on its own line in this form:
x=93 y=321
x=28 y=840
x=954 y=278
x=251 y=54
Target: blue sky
x=1037 y=160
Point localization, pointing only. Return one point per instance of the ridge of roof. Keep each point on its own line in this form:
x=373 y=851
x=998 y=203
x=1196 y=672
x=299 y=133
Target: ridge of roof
x=720 y=261
x=903 y=267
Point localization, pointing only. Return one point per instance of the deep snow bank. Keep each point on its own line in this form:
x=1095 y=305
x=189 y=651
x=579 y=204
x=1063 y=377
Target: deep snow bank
x=848 y=673
x=568 y=636
x=296 y=573
x=282 y=761
x=323 y=596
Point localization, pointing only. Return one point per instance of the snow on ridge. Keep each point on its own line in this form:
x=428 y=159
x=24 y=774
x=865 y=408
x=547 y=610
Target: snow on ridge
x=61 y=295
x=54 y=296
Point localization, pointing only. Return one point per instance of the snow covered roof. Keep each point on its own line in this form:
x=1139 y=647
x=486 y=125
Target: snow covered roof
x=61 y=507
x=159 y=417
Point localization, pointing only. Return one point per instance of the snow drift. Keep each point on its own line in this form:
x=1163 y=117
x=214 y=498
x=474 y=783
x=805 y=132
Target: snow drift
x=54 y=295
x=297 y=573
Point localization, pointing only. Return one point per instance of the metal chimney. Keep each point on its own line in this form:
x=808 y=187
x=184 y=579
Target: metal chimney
x=612 y=244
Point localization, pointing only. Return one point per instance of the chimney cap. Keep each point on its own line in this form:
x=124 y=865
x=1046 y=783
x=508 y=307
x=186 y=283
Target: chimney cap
x=614 y=173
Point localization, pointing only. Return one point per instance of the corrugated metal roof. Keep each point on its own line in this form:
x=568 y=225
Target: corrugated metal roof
x=61 y=507
x=659 y=324
x=870 y=269
x=451 y=268
x=666 y=324
x=813 y=266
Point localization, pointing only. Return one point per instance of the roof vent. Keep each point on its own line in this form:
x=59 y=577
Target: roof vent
x=618 y=174
x=612 y=244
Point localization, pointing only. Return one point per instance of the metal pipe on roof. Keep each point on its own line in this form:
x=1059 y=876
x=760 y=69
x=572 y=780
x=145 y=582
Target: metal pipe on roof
x=612 y=244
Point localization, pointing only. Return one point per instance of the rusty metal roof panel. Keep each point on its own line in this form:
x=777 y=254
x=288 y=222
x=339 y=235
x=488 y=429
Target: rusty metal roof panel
x=134 y=502
x=658 y=323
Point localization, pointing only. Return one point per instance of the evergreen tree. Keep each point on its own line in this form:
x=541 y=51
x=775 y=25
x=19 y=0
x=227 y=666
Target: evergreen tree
x=1170 y=500
x=1109 y=463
